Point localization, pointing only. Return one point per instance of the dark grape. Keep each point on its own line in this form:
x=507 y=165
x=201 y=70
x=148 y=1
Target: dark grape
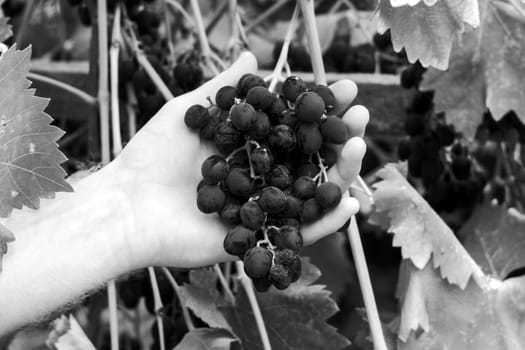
x=261 y=128
x=307 y=169
x=249 y=81
x=207 y=132
x=257 y=262
x=272 y=200
x=309 y=138
x=311 y=210
x=328 y=195
x=278 y=106
x=214 y=169
x=414 y=124
x=285 y=257
x=239 y=240
x=262 y=160
x=309 y=107
x=189 y=75
x=422 y=102
x=304 y=187
x=252 y=215
x=243 y=116
x=239 y=182
x=231 y=213
x=225 y=97
x=210 y=198
x=226 y=137
x=289 y=118
x=288 y=237
x=431 y=170
x=279 y=177
x=280 y=276
x=196 y=117
x=293 y=86
x=259 y=97
x=334 y=130
x=329 y=155
x=382 y=41
x=262 y=284
x=84 y=15
x=327 y=95
x=282 y=138
x=294 y=207
x=461 y=167
x=295 y=269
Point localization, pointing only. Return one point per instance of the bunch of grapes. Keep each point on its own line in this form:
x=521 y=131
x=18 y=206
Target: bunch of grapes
x=435 y=152
x=270 y=175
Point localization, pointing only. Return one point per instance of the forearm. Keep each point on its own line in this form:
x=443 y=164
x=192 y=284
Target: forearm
x=70 y=246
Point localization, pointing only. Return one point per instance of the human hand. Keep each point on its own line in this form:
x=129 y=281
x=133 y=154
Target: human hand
x=159 y=170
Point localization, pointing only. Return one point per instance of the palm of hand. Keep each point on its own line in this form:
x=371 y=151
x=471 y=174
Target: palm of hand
x=160 y=169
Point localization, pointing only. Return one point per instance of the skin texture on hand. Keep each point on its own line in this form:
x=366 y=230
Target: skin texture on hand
x=159 y=170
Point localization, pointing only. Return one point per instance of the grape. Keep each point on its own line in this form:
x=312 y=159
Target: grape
x=461 y=167
x=422 y=102
x=231 y=213
x=262 y=284
x=210 y=199
x=189 y=75
x=293 y=86
x=239 y=182
x=294 y=207
x=382 y=41
x=128 y=295
x=304 y=187
x=309 y=107
x=295 y=269
x=431 y=170
x=279 y=177
x=282 y=138
x=252 y=215
x=309 y=138
x=289 y=118
x=403 y=149
x=288 y=237
x=299 y=58
x=414 y=124
x=285 y=257
x=84 y=15
x=226 y=137
x=280 y=276
x=225 y=97
x=196 y=117
x=327 y=95
x=142 y=82
x=249 y=81
x=414 y=165
x=257 y=262
x=261 y=127
x=262 y=160
x=408 y=78
x=334 y=130
x=431 y=145
x=259 y=97
x=278 y=106
x=243 y=116
x=328 y=195
x=207 y=132
x=329 y=155
x=214 y=169
x=311 y=210
x=307 y=169
x=147 y=20
x=239 y=240
x=273 y=200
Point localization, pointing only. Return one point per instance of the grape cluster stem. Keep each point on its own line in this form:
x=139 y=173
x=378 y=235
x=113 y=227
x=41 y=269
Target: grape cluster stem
x=224 y=283
x=184 y=308
x=157 y=302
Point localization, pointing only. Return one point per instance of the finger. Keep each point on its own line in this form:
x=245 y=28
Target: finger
x=356 y=120
x=348 y=165
x=331 y=221
x=246 y=63
x=345 y=92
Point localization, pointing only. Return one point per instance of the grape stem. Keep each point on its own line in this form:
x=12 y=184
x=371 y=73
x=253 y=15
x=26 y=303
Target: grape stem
x=116 y=41
x=324 y=176
x=84 y=96
x=277 y=76
x=363 y=275
x=247 y=284
x=130 y=110
x=178 y=7
x=316 y=55
x=203 y=39
x=224 y=283
x=157 y=304
x=176 y=288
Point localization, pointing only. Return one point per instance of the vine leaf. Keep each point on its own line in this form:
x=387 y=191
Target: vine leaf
x=295 y=318
x=495 y=238
x=487 y=70
x=470 y=319
x=418 y=230
x=207 y=339
x=67 y=334
x=29 y=156
x=202 y=297
x=427 y=29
